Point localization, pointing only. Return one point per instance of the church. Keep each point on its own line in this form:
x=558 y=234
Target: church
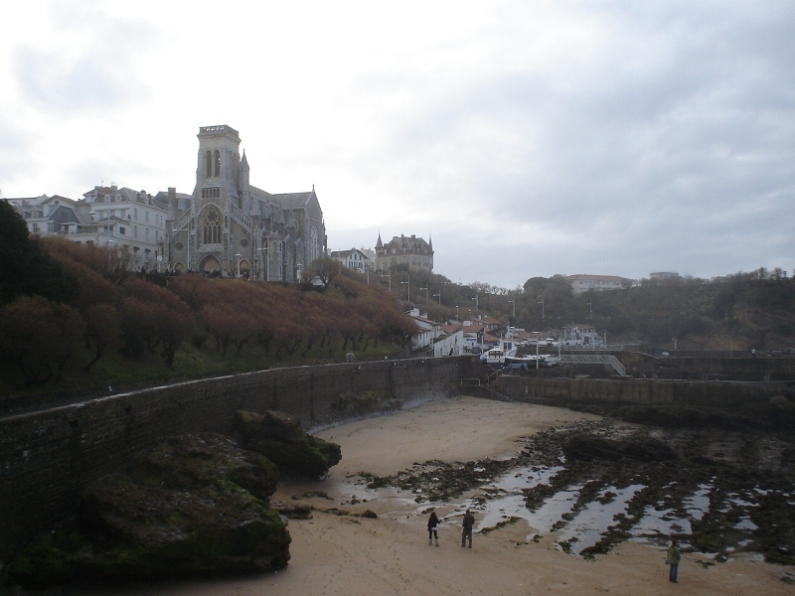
x=228 y=227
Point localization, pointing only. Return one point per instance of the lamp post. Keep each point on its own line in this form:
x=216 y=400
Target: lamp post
x=590 y=310
x=408 y=290
x=439 y=295
x=542 y=309
x=266 y=251
x=426 y=292
x=238 y=255
x=456 y=313
x=514 y=307
x=389 y=279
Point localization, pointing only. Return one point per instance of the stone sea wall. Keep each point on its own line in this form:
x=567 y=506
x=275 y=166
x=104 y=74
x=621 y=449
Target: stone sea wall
x=48 y=457
x=719 y=394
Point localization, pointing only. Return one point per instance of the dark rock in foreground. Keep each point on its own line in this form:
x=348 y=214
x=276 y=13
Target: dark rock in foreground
x=282 y=440
x=196 y=504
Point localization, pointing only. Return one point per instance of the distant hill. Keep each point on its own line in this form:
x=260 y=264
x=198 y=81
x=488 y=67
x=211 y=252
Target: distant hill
x=738 y=312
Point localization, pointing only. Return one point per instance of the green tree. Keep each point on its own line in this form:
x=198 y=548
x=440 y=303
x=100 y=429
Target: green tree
x=27 y=270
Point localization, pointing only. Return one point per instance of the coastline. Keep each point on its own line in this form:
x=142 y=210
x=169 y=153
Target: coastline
x=339 y=552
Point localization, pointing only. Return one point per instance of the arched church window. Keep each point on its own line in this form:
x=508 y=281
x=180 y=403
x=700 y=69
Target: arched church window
x=208 y=164
x=313 y=244
x=212 y=226
x=217 y=162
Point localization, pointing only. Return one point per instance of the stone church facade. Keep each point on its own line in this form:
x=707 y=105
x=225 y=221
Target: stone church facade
x=228 y=227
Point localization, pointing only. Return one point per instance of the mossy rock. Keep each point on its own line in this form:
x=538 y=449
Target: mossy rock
x=196 y=504
x=282 y=440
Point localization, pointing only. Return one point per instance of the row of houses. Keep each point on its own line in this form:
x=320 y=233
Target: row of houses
x=477 y=335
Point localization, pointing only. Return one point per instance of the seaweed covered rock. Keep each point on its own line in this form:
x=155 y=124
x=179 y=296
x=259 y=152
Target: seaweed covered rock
x=196 y=504
x=588 y=447
x=282 y=440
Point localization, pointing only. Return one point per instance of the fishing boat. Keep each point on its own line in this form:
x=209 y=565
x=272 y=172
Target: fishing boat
x=497 y=355
x=532 y=361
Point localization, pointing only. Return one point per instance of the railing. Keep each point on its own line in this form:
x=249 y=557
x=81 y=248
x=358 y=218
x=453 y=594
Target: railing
x=594 y=359
x=182 y=222
x=240 y=217
x=478 y=381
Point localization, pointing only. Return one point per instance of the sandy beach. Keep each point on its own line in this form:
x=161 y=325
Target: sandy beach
x=339 y=552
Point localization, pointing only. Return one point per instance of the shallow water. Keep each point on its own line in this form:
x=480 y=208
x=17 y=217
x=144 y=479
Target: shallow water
x=584 y=528
x=588 y=526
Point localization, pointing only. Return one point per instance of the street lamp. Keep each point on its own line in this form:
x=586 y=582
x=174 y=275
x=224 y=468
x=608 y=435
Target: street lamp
x=439 y=295
x=426 y=292
x=514 y=307
x=542 y=309
x=238 y=255
x=590 y=310
x=408 y=289
x=456 y=313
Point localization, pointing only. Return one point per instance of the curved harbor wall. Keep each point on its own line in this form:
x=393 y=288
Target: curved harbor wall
x=48 y=457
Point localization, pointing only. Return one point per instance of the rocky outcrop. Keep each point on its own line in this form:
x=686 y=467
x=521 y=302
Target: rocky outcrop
x=282 y=440
x=196 y=504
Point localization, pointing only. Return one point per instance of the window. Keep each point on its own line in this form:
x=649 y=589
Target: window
x=208 y=164
x=217 y=162
x=212 y=226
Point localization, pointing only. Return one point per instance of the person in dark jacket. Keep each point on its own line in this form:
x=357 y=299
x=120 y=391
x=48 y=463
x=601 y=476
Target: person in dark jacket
x=469 y=521
x=673 y=558
x=433 y=523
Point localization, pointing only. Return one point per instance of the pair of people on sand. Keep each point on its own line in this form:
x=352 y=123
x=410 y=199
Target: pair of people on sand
x=466 y=535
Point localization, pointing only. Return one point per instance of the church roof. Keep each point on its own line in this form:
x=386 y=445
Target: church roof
x=293 y=200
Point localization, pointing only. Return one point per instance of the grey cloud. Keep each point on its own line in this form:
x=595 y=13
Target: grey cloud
x=68 y=78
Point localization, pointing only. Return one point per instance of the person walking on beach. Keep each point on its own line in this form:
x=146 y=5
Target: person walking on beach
x=469 y=521
x=433 y=523
x=673 y=558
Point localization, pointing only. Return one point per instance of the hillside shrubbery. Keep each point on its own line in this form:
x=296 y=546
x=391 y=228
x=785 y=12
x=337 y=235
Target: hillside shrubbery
x=97 y=323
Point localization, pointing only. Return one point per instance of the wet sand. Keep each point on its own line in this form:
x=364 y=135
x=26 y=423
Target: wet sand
x=335 y=553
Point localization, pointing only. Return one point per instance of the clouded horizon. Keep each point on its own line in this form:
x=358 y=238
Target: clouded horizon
x=525 y=138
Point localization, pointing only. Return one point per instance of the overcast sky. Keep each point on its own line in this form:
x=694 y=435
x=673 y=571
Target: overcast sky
x=526 y=138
